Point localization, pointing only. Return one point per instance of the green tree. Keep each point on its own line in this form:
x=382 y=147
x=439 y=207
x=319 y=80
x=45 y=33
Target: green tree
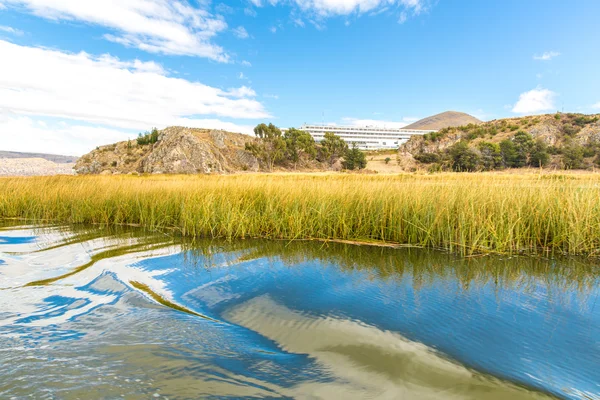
x=509 y=153
x=332 y=147
x=491 y=156
x=299 y=144
x=463 y=159
x=572 y=154
x=387 y=160
x=539 y=154
x=523 y=145
x=269 y=146
x=354 y=158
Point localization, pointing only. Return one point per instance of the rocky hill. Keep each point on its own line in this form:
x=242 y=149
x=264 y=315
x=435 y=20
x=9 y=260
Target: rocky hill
x=174 y=150
x=50 y=157
x=577 y=132
x=444 y=120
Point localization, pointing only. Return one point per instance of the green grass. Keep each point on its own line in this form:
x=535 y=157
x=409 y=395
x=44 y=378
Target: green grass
x=463 y=213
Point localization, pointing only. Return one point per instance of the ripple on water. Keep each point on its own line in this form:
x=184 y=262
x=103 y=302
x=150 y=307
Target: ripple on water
x=135 y=314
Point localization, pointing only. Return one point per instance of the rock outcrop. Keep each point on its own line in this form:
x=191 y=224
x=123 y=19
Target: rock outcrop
x=178 y=151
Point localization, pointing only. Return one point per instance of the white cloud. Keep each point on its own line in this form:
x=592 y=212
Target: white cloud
x=246 y=63
x=298 y=22
x=10 y=29
x=157 y=26
x=68 y=137
x=243 y=91
x=241 y=32
x=549 y=55
x=271 y=96
x=535 y=100
x=331 y=8
x=110 y=92
x=596 y=106
x=273 y=29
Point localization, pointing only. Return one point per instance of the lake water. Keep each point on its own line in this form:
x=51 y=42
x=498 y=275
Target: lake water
x=95 y=313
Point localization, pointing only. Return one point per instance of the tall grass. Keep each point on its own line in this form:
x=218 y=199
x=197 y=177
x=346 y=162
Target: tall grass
x=464 y=213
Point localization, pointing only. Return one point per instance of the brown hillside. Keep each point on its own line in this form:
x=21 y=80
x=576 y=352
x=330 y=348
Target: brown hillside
x=178 y=151
x=444 y=120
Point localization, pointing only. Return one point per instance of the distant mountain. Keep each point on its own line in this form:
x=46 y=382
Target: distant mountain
x=50 y=157
x=444 y=120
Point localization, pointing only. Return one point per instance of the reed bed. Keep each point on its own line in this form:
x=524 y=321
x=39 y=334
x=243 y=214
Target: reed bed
x=463 y=213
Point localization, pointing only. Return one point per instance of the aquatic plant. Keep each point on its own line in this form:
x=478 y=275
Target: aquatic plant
x=463 y=213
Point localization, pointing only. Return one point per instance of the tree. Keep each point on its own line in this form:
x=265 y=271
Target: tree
x=269 y=147
x=523 y=145
x=387 y=160
x=299 y=144
x=509 y=153
x=332 y=147
x=539 y=154
x=572 y=154
x=491 y=156
x=354 y=158
x=463 y=159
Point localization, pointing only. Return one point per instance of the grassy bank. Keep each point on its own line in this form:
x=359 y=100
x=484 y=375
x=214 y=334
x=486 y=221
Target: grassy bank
x=464 y=213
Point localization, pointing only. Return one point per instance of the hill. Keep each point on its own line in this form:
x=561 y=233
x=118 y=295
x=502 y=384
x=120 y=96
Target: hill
x=50 y=157
x=444 y=120
x=174 y=150
x=570 y=141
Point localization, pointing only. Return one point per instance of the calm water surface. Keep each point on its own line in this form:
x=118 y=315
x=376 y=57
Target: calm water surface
x=92 y=313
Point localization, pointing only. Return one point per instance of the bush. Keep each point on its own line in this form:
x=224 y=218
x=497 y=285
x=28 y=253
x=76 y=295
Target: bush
x=427 y=158
x=572 y=153
x=491 y=156
x=463 y=159
x=387 y=160
x=539 y=154
x=570 y=130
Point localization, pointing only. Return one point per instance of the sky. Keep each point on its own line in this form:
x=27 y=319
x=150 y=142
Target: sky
x=75 y=74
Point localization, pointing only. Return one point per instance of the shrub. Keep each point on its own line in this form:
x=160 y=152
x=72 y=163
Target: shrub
x=572 y=153
x=463 y=159
x=491 y=156
x=427 y=158
x=387 y=160
x=539 y=154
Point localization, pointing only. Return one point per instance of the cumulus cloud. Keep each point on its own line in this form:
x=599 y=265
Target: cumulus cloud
x=549 y=55
x=105 y=90
x=535 y=100
x=596 y=106
x=246 y=63
x=157 y=26
x=34 y=134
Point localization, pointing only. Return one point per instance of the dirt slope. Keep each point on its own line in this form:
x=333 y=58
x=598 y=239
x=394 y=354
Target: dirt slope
x=444 y=120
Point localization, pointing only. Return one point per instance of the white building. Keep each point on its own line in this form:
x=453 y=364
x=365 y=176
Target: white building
x=366 y=138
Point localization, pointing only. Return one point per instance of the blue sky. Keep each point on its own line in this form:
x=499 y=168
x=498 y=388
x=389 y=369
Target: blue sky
x=75 y=74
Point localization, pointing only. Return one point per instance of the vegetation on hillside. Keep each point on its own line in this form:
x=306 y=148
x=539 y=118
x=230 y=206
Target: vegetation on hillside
x=295 y=148
x=464 y=213
x=148 y=137
x=514 y=143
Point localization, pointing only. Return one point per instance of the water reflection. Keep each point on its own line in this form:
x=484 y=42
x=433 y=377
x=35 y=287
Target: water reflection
x=104 y=313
